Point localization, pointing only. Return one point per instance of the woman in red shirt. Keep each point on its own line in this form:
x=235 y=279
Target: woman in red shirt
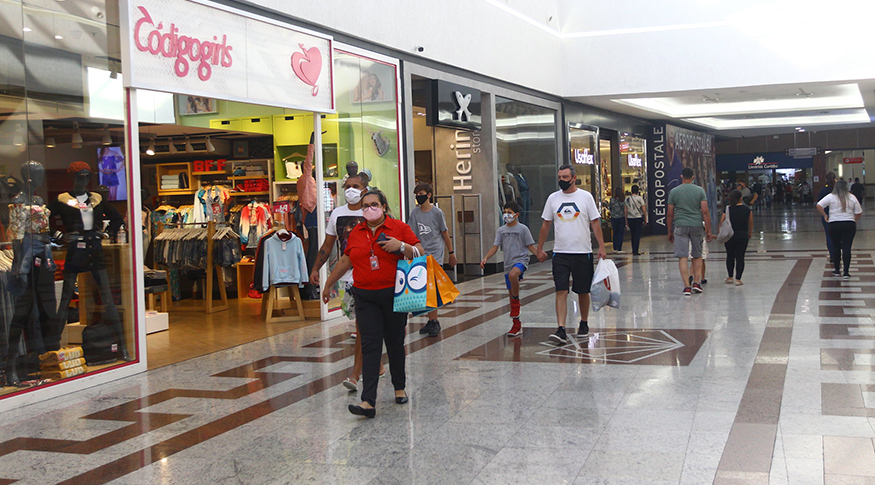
x=372 y=251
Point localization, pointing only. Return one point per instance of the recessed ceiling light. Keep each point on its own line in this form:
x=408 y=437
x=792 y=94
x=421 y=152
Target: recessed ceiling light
x=59 y=37
x=27 y=29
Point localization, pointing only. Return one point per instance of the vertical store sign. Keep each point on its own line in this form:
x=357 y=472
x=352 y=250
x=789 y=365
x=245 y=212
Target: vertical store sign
x=188 y=47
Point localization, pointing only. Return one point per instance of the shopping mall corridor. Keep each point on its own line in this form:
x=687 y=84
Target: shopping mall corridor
x=770 y=382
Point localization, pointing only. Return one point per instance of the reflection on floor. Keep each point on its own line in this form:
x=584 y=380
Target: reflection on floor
x=770 y=382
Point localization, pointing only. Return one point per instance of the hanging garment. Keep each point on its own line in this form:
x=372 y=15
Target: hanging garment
x=284 y=261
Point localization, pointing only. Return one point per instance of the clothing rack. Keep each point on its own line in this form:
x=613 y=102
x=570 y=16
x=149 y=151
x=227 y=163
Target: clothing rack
x=208 y=305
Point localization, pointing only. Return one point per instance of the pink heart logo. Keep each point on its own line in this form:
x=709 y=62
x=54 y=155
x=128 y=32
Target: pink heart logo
x=307 y=65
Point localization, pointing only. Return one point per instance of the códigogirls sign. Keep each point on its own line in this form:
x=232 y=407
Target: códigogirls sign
x=188 y=47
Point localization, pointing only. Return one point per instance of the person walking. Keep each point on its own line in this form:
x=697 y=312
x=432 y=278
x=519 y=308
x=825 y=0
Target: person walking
x=618 y=219
x=430 y=226
x=372 y=252
x=741 y=218
x=844 y=212
x=636 y=217
x=687 y=211
x=858 y=190
x=575 y=212
x=830 y=180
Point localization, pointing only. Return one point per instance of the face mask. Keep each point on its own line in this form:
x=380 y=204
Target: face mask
x=508 y=218
x=372 y=214
x=565 y=184
x=353 y=195
x=420 y=199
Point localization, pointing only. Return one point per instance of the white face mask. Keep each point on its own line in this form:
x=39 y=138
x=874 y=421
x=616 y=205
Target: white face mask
x=353 y=195
x=508 y=218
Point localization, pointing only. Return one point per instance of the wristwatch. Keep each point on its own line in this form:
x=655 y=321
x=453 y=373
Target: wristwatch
x=402 y=247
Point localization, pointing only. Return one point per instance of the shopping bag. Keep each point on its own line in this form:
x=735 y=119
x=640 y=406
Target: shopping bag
x=441 y=289
x=605 y=288
x=411 y=286
x=726 y=231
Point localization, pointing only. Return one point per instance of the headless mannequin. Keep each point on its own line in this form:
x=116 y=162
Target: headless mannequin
x=85 y=252
x=33 y=268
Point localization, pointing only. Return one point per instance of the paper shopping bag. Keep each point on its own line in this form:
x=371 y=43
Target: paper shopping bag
x=411 y=282
x=441 y=289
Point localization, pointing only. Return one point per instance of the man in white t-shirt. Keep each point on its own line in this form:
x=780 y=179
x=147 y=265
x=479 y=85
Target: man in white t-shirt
x=574 y=211
x=340 y=224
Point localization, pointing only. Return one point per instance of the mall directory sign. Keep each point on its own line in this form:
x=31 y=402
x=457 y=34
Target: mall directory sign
x=198 y=49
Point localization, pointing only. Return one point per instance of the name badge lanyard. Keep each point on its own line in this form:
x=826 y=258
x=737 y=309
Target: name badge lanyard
x=374 y=261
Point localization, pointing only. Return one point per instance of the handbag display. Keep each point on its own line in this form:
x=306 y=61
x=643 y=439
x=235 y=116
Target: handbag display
x=726 y=231
x=421 y=285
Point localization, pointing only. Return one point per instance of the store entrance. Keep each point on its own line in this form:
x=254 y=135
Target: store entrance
x=218 y=186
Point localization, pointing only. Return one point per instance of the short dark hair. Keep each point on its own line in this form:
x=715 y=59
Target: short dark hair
x=856 y=179
x=635 y=189
x=423 y=186
x=830 y=178
x=364 y=179
x=568 y=166
x=688 y=173
x=734 y=197
x=512 y=205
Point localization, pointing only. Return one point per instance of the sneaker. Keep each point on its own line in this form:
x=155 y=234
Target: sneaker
x=435 y=329
x=704 y=281
x=517 y=329
x=738 y=283
x=583 y=329
x=697 y=288
x=836 y=273
x=688 y=291
x=426 y=329
x=559 y=336
x=846 y=277
x=729 y=280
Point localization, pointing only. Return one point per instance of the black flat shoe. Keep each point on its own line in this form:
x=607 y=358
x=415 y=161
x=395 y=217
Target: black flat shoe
x=402 y=400
x=360 y=411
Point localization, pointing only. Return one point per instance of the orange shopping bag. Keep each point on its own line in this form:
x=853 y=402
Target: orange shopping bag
x=441 y=290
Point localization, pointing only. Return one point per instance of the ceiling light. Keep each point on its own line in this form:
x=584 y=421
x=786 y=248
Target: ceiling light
x=151 y=150
x=188 y=147
x=27 y=29
x=50 y=142
x=843 y=117
x=172 y=148
x=77 y=137
x=107 y=139
x=210 y=147
x=59 y=37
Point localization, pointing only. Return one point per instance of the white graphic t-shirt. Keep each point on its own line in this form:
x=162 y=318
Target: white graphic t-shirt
x=571 y=215
x=340 y=224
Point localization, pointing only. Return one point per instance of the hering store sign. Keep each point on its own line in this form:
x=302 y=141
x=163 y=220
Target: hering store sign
x=188 y=47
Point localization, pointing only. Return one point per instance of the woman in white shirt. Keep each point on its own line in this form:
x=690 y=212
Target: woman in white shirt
x=844 y=212
x=636 y=217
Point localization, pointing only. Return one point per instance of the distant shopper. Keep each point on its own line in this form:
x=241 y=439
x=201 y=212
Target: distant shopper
x=826 y=190
x=741 y=218
x=372 y=252
x=575 y=212
x=858 y=190
x=747 y=196
x=686 y=215
x=636 y=216
x=430 y=226
x=844 y=212
x=618 y=219
x=516 y=242
x=804 y=193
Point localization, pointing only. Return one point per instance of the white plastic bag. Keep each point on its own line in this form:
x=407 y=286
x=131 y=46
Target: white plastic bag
x=605 y=289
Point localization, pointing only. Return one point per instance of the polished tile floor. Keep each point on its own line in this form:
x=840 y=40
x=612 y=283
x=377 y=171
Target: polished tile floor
x=770 y=382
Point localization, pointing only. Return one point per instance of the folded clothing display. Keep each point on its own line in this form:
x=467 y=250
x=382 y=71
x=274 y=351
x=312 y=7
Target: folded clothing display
x=64 y=355
x=61 y=364
x=155 y=277
x=64 y=374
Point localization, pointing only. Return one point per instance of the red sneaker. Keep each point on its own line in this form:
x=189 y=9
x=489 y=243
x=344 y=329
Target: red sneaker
x=517 y=329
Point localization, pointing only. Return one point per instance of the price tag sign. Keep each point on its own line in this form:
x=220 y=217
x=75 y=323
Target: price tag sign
x=282 y=207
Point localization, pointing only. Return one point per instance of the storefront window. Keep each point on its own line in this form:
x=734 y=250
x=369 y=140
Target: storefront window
x=584 y=151
x=67 y=295
x=633 y=164
x=527 y=159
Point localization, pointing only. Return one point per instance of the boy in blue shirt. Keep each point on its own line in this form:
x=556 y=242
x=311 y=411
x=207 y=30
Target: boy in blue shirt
x=516 y=242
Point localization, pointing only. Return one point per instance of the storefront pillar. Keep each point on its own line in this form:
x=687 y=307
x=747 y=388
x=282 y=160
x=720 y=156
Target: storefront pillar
x=135 y=239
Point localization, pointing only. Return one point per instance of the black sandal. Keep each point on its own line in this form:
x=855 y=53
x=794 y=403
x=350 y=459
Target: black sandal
x=402 y=400
x=360 y=411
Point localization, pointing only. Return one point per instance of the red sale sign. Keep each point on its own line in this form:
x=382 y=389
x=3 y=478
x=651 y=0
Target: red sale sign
x=853 y=160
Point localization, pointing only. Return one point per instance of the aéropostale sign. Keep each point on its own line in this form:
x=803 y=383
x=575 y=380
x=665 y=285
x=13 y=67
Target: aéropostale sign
x=187 y=47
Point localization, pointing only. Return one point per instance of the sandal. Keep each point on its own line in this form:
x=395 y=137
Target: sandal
x=350 y=384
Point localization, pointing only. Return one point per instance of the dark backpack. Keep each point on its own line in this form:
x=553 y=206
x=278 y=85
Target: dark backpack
x=99 y=344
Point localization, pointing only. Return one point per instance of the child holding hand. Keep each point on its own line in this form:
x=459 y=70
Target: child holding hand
x=516 y=242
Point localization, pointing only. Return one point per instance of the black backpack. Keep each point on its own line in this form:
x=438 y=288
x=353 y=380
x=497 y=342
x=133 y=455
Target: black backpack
x=99 y=344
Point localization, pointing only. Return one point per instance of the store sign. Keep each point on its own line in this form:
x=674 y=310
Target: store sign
x=453 y=106
x=853 y=160
x=467 y=144
x=802 y=152
x=198 y=49
x=635 y=160
x=583 y=156
x=759 y=163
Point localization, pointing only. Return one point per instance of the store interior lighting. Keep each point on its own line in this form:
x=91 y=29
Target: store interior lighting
x=188 y=147
x=50 y=142
x=151 y=149
x=210 y=147
x=107 y=139
x=172 y=148
x=77 y=137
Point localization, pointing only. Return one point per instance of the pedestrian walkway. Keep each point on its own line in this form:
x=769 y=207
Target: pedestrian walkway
x=770 y=382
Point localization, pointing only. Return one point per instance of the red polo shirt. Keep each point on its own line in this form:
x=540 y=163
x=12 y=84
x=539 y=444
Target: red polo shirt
x=359 y=246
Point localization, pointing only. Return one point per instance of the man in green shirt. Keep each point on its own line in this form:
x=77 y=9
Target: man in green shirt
x=687 y=211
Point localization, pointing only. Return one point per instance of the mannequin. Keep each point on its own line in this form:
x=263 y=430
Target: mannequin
x=32 y=267
x=83 y=213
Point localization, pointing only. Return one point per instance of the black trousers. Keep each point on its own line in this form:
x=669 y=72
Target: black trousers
x=636 y=226
x=377 y=323
x=842 y=234
x=39 y=296
x=735 y=249
x=619 y=227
